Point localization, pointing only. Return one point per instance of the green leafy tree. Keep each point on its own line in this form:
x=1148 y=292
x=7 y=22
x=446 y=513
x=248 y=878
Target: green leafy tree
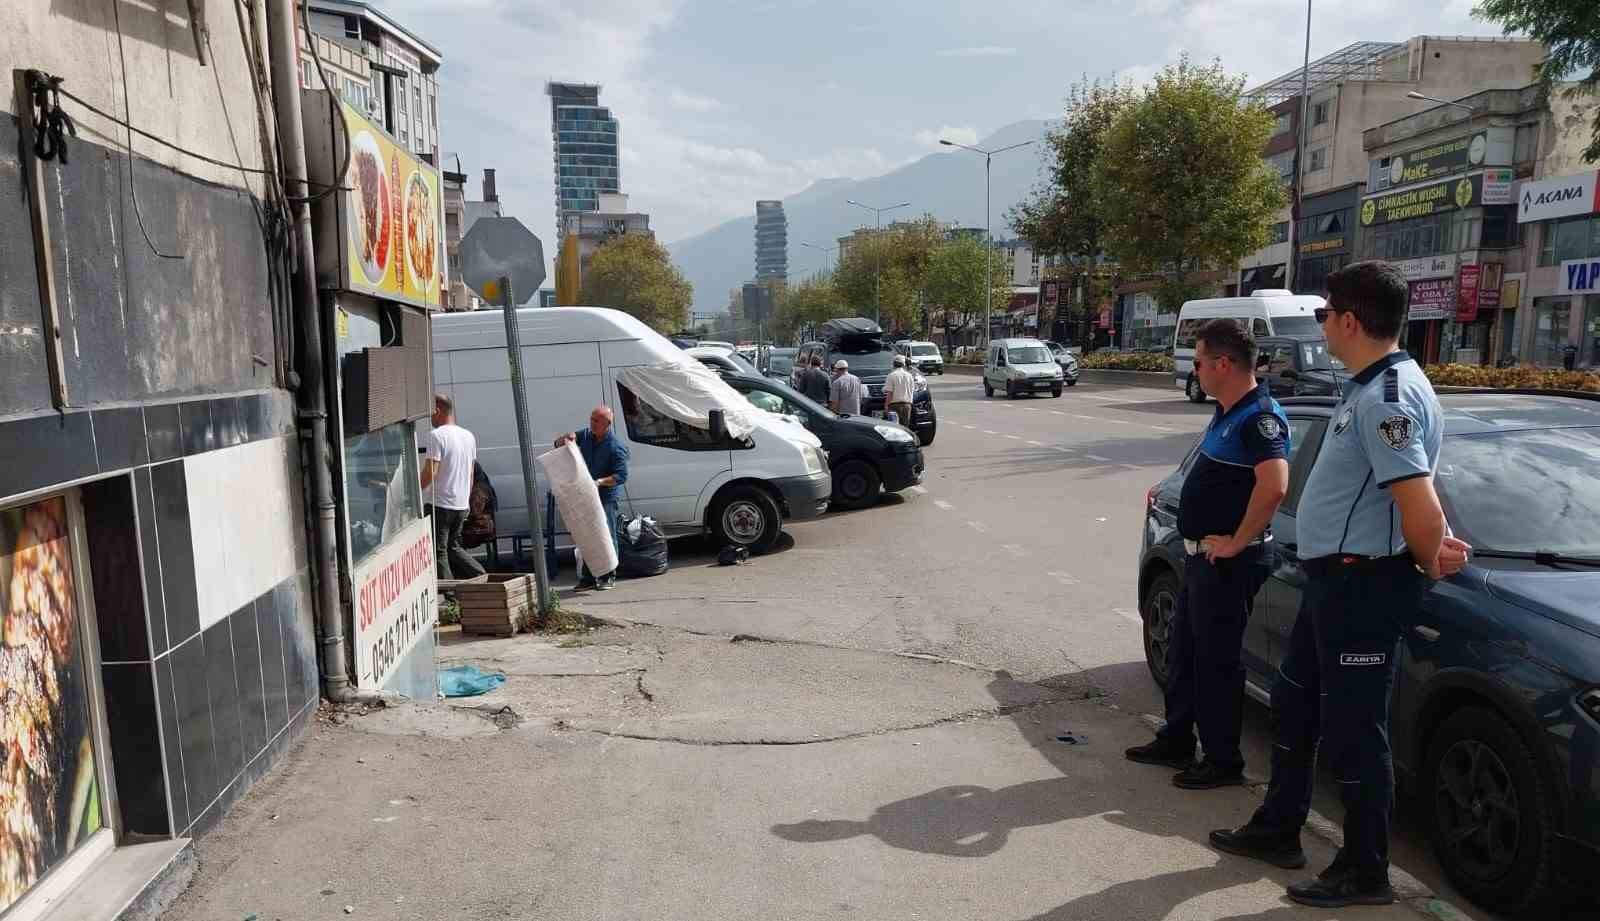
x=889 y=269
x=806 y=305
x=1180 y=185
x=634 y=274
x=1570 y=30
x=955 y=279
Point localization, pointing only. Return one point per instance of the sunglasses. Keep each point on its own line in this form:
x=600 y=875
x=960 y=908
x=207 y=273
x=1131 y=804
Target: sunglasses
x=1322 y=313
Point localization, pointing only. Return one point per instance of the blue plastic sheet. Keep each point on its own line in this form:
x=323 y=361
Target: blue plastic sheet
x=468 y=681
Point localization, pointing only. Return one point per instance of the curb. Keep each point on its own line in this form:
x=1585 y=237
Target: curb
x=1409 y=890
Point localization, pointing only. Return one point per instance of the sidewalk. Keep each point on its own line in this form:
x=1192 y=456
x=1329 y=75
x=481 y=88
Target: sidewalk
x=638 y=772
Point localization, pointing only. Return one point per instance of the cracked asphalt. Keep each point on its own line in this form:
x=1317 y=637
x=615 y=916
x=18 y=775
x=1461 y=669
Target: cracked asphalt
x=915 y=711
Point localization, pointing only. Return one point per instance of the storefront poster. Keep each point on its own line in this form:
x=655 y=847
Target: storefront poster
x=1563 y=196
x=1467 y=294
x=1423 y=201
x=394 y=599
x=49 y=788
x=1489 y=285
x=1428 y=267
x=1433 y=299
x=1437 y=160
x=390 y=216
x=1579 y=276
x=1497 y=186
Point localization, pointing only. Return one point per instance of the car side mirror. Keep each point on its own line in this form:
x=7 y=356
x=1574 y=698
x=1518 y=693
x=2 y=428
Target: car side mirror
x=719 y=425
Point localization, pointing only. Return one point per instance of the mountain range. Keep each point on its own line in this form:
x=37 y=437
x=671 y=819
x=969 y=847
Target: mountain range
x=948 y=185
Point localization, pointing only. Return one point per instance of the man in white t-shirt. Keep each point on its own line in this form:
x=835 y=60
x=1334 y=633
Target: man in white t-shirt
x=898 y=391
x=452 y=450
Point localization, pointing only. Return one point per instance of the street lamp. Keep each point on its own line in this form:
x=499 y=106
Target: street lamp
x=824 y=250
x=1444 y=102
x=988 y=237
x=877 y=270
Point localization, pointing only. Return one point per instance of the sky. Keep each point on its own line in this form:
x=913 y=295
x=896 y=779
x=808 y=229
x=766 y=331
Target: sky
x=722 y=102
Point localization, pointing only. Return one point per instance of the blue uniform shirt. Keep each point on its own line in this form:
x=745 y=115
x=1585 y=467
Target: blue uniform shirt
x=1386 y=428
x=607 y=456
x=1216 y=491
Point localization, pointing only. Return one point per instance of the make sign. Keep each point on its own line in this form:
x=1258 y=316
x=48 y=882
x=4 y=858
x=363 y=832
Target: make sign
x=1579 y=276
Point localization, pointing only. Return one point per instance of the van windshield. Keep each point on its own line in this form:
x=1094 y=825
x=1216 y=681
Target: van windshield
x=870 y=355
x=1295 y=325
x=924 y=350
x=1029 y=355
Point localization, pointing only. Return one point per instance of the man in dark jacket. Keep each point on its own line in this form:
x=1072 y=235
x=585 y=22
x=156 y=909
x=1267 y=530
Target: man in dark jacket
x=607 y=459
x=814 y=382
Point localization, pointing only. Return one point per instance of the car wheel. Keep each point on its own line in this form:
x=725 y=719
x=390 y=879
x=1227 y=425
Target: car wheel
x=1193 y=390
x=1055 y=391
x=987 y=390
x=926 y=438
x=855 y=484
x=1072 y=383
x=1158 y=610
x=1491 y=812
x=1011 y=391
x=747 y=516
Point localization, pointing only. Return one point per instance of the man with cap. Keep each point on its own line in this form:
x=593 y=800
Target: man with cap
x=898 y=389
x=844 y=394
x=1372 y=538
x=1238 y=477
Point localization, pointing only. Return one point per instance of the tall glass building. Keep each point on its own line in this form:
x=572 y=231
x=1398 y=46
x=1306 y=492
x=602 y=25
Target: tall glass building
x=772 y=241
x=585 y=139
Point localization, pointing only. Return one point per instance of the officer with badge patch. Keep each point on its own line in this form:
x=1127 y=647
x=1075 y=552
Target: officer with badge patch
x=1372 y=536
x=1239 y=475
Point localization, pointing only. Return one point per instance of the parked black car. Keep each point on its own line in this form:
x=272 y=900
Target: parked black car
x=1496 y=712
x=871 y=357
x=863 y=453
x=1298 y=366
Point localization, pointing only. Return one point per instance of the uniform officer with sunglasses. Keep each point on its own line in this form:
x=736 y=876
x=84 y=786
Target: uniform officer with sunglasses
x=1372 y=537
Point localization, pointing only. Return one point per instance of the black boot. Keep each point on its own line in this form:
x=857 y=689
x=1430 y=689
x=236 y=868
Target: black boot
x=1276 y=848
x=1207 y=776
x=1162 y=752
x=1337 y=887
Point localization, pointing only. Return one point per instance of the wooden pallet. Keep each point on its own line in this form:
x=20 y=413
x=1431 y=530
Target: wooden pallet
x=500 y=605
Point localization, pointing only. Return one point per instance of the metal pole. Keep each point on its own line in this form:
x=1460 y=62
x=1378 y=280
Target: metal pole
x=519 y=399
x=877 y=271
x=988 y=255
x=1299 y=152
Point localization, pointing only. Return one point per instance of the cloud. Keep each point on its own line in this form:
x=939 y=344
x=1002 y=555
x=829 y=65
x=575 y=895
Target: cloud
x=689 y=102
x=960 y=135
x=981 y=51
x=1138 y=74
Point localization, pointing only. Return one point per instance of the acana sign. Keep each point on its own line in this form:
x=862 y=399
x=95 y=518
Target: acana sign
x=1564 y=196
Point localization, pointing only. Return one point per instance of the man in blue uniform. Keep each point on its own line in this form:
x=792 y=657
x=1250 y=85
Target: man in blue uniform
x=1239 y=476
x=607 y=459
x=1372 y=535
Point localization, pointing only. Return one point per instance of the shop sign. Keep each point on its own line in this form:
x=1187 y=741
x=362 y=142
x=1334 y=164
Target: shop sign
x=1489 y=285
x=1565 y=196
x=1467 y=294
x=1104 y=321
x=1451 y=156
x=1319 y=246
x=1423 y=201
x=1428 y=267
x=1433 y=299
x=1579 y=276
x=394 y=595
x=1050 y=292
x=1497 y=186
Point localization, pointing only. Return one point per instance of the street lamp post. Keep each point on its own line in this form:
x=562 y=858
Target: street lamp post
x=877 y=270
x=826 y=252
x=1443 y=102
x=988 y=236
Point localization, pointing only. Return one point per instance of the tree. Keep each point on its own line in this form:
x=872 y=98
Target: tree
x=806 y=305
x=1570 y=31
x=634 y=274
x=955 y=279
x=889 y=269
x=1180 y=184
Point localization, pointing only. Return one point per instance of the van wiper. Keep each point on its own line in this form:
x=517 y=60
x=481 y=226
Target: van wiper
x=1541 y=557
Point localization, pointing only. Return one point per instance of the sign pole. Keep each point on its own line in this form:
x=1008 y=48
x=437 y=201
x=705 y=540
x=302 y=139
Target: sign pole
x=524 y=442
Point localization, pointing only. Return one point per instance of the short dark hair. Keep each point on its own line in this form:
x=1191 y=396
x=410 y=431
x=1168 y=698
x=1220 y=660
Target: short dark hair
x=1227 y=336
x=816 y=360
x=1375 y=292
x=442 y=402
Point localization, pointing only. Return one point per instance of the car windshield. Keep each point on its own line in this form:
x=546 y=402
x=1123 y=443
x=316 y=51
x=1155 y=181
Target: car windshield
x=1316 y=355
x=794 y=397
x=742 y=363
x=1295 y=325
x=924 y=350
x=779 y=364
x=1028 y=355
x=874 y=358
x=1524 y=491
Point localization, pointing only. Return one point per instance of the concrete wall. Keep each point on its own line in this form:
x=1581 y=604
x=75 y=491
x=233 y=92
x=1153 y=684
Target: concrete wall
x=1566 y=133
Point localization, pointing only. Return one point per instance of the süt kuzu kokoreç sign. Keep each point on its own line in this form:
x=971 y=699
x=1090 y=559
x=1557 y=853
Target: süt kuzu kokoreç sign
x=394 y=600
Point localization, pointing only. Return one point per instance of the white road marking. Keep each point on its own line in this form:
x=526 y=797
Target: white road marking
x=1057 y=412
x=1014 y=549
x=1098 y=459
x=1064 y=449
x=1090 y=418
x=1014 y=437
x=978 y=526
x=1063 y=578
x=966 y=426
x=990 y=432
x=1035 y=444
x=1131 y=616
x=943 y=504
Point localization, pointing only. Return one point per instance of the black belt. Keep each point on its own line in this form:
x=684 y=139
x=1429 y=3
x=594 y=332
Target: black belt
x=1351 y=562
x=1197 y=547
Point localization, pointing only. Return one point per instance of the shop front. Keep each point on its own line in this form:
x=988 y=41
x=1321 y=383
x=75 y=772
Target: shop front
x=1562 y=219
x=378 y=262
x=1325 y=238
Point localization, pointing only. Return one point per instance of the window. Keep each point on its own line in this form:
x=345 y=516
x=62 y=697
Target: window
x=1552 y=316
x=1589 y=334
x=1319 y=160
x=1572 y=238
x=649 y=426
x=1313 y=274
x=1319 y=113
x=1258 y=328
x=1302 y=432
x=1280 y=233
x=1280 y=359
x=1500 y=226
x=1283 y=165
x=1282 y=124
x=1525 y=147
x=380 y=479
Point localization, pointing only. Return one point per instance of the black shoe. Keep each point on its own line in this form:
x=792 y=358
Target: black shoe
x=1337 y=888
x=606 y=583
x=1162 y=752
x=1275 y=848
x=587 y=582
x=1207 y=776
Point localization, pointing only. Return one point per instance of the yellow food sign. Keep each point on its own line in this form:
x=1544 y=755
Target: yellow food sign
x=391 y=218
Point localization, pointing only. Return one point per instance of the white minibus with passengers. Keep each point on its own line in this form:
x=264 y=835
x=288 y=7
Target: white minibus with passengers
x=1267 y=312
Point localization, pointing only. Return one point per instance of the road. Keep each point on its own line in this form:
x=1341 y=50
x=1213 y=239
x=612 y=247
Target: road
x=1018 y=552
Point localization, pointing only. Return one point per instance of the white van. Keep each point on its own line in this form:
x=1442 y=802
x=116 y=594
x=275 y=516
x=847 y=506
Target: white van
x=1268 y=312
x=739 y=487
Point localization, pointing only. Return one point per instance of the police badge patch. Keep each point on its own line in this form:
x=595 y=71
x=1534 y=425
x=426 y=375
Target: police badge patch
x=1269 y=428
x=1395 y=431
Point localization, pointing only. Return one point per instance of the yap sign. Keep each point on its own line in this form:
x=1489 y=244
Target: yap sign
x=1579 y=276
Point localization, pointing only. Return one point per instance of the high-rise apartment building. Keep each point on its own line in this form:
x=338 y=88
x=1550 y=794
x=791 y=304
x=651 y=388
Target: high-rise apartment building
x=402 y=92
x=585 y=140
x=772 y=241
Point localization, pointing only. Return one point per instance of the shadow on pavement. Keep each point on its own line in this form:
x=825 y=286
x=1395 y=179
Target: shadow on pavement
x=1160 y=451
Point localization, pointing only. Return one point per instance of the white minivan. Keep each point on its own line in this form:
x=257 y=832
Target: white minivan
x=1267 y=312
x=738 y=483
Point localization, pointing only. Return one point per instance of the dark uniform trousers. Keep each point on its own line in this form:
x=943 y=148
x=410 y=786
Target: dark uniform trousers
x=1335 y=684
x=1205 y=684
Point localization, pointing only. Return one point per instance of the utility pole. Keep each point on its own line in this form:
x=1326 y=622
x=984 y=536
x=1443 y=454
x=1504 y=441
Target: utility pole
x=988 y=235
x=877 y=270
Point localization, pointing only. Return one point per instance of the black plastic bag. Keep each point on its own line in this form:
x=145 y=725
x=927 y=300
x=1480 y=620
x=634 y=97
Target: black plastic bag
x=641 y=547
